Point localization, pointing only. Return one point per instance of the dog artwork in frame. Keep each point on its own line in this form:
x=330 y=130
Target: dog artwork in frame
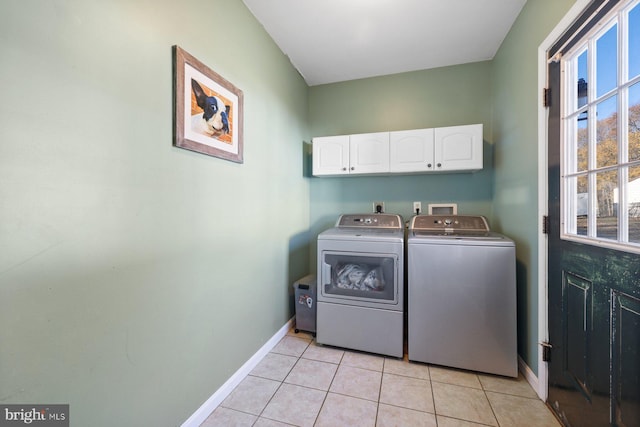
x=208 y=110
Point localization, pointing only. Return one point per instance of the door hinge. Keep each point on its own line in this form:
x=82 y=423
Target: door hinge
x=546 y=351
x=546 y=96
x=545 y=224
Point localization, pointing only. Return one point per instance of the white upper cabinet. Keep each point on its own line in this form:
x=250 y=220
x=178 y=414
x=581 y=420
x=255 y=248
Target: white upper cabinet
x=450 y=149
x=331 y=155
x=369 y=153
x=458 y=148
x=366 y=153
x=411 y=151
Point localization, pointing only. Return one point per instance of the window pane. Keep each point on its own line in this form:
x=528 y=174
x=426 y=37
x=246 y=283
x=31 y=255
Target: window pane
x=582 y=142
x=633 y=199
x=607 y=220
x=607 y=133
x=582 y=79
x=634 y=122
x=579 y=185
x=634 y=41
x=606 y=61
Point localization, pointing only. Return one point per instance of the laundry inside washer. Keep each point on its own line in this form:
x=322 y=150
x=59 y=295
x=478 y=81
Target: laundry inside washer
x=360 y=284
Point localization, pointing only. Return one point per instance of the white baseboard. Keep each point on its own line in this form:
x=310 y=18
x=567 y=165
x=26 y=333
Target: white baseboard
x=203 y=412
x=528 y=374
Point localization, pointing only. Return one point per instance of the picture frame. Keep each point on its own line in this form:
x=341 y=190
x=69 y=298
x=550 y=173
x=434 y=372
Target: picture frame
x=208 y=109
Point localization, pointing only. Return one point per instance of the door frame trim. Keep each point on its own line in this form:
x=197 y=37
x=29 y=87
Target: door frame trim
x=543 y=190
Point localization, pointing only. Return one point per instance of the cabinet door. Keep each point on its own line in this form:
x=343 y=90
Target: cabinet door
x=458 y=148
x=411 y=151
x=369 y=153
x=331 y=155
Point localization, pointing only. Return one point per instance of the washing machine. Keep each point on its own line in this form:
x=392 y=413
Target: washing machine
x=461 y=294
x=360 y=284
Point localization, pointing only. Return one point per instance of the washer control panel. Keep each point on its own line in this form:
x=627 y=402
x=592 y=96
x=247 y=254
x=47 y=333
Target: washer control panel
x=450 y=223
x=370 y=221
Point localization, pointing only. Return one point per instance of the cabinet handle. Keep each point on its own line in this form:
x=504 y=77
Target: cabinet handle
x=439 y=165
x=428 y=165
x=344 y=169
x=352 y=168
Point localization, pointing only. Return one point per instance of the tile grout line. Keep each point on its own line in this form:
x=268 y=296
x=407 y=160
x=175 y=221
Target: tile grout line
x=433 y=395
x=326 y=394
x=384 y=364
x=272 y=396
x=484 y=391
x=280 y=386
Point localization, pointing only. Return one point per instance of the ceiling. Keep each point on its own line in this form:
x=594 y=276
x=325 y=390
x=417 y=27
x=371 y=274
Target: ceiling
x=331 y=41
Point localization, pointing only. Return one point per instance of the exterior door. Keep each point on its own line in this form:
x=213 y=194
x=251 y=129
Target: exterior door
x=593 y=256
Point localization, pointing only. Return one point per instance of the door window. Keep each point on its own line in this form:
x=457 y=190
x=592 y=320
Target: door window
x=600 y=176
x=360 y=276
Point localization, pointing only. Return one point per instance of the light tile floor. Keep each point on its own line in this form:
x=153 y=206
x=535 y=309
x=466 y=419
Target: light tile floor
x=300 y=383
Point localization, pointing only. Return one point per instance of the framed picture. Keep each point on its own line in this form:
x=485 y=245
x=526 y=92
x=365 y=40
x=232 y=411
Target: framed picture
x=207 y=109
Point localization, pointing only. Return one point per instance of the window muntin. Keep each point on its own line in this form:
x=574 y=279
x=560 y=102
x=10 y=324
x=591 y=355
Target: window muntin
x=601 y=134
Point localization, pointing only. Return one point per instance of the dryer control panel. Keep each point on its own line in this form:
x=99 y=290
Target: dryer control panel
x=450 y=223
x=370 y=221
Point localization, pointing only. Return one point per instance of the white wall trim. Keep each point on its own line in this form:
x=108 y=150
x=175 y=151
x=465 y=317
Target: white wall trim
x=529 y=375
x=203 y=412
x=543 y=194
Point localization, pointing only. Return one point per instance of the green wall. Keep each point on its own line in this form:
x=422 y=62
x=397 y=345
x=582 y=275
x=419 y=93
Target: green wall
x=423 y=99
x=515 y=134
x=136 y=277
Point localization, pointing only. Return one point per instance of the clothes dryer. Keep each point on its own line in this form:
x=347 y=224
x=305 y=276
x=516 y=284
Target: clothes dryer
x=461 y=294
x=360 y=284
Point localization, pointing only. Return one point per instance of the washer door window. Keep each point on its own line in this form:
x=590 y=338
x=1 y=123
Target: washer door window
x=359 y=277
